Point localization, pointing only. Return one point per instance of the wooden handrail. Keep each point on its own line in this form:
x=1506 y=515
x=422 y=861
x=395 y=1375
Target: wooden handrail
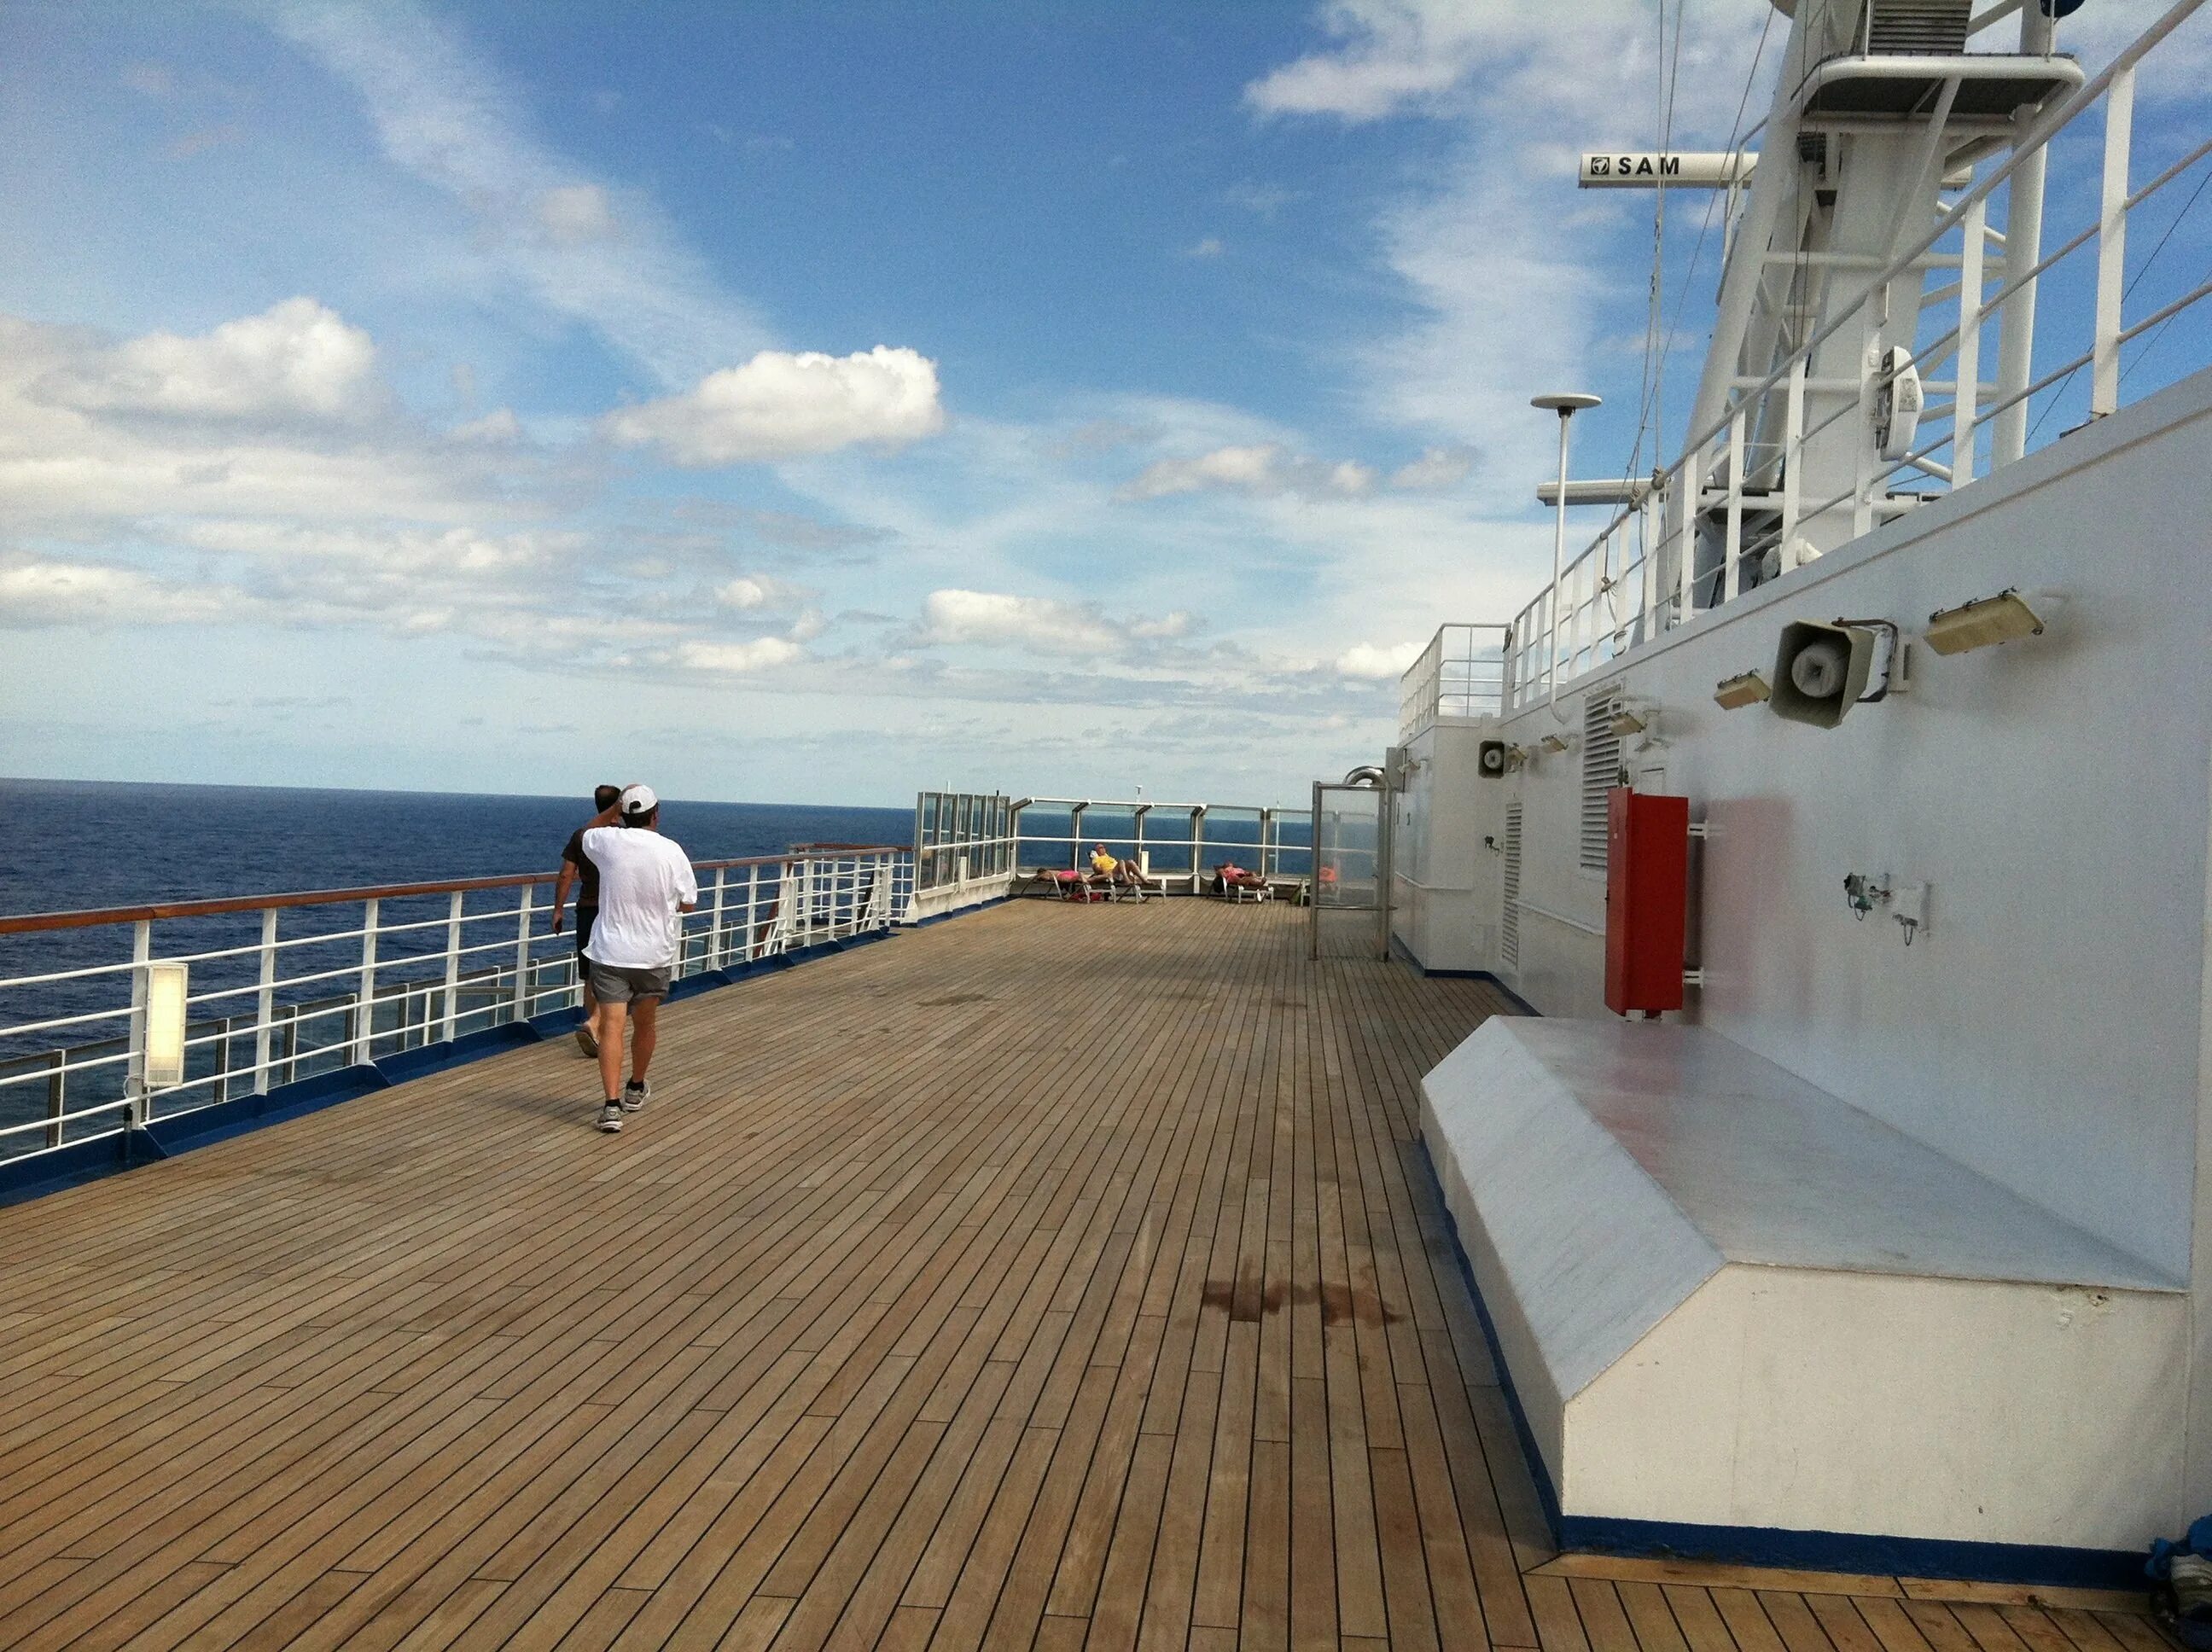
x=35 y=922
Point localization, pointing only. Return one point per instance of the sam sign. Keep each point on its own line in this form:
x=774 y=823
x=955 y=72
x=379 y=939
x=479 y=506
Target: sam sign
x=1672 y=169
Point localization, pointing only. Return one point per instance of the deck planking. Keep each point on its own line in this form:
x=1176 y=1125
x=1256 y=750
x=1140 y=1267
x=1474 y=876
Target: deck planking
x=1059 y=1276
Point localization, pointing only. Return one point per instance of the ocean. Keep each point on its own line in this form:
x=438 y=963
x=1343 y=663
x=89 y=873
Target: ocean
x=72 y=845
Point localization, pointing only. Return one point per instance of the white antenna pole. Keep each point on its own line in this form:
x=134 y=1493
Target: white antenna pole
x=1565 y=404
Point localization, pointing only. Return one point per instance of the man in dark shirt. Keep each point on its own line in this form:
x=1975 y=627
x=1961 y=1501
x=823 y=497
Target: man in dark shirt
x=576 y=868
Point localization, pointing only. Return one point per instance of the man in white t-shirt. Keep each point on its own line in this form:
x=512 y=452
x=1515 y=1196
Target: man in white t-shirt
x=645 y=884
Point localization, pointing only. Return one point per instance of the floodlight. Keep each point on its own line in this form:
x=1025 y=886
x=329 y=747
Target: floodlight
x=1745 y=688
x=165 y=1023
x=2001 y=618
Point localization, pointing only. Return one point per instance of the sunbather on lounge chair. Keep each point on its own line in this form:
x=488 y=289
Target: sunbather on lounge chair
x=1238 y=885
x=1111 y=874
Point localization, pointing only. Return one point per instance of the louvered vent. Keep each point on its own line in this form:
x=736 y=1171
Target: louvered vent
x=1917 y=27
x=1509 y=927
x=1601 y=773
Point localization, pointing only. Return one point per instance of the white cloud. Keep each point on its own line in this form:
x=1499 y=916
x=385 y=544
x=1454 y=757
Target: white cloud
x=1042 y=625
x=1368 y=662
x=738 y=658
x=297 y=357
x=1258 y=468
x=749 y=591
x=781 y=405
x=1394 y=52
x=1210 y=248
x=37 y=593
x=1439 y=467
x=574 y=213
x=497 y=428
x=441 y=115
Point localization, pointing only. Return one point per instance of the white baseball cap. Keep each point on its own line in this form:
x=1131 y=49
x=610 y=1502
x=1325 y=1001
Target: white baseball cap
x=638 y=801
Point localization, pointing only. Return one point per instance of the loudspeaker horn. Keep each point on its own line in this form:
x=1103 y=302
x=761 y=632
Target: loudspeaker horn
x=1821 y=670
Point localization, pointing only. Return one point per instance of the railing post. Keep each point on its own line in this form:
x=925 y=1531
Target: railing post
x=134 y=1067
x=752 y=911
x=454 y=966
x=1732 y=573
x=264 y=1012
x=364 y=1041
x=1868 y=474
x=2111 y=245
x=1968 y=359
x=522 y=955
x=714 y=951
x=1793 y=453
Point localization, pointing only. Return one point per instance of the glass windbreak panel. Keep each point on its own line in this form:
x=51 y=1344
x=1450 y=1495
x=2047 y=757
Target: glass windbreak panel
x=1116 y=828
x=1045 y=836
x=1293 y=837
x=1232 y=839
x=1348 y=840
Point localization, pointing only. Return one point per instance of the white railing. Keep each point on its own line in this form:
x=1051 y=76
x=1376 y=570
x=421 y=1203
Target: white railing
x=1727 y=514
x=1174 y=839
x=1461 y=673
x=347 y=978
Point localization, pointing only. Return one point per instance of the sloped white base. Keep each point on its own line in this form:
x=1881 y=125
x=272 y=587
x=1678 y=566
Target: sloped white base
x=1725 y=1297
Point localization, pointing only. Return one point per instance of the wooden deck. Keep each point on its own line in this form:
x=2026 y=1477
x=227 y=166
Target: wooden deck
x=1058 y=1276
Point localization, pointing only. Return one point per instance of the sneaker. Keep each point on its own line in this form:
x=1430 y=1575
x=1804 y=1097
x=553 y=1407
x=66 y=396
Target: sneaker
x=610 y=1116
x=586 y=1044
x=634 y=1095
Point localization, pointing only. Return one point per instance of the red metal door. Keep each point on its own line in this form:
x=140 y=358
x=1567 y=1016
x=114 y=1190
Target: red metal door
x=1647 y=900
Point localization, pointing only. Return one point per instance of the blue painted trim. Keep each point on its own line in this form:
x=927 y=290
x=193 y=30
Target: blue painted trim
x=959 y=912
x=1404 y=953
x=78 y=1162
x=1768 y=1546
x=38 y=1174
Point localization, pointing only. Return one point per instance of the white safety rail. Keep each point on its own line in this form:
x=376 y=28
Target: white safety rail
x=1461 y=673
x=345 y=978
x=1175 y=840
x=1727 y=514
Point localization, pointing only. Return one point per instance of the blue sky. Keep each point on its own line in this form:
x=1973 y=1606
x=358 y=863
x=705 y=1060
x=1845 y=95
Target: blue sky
x=803 y=402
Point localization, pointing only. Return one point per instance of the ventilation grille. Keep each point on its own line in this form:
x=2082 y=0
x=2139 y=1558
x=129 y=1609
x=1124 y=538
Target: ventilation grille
x=1509 y=927
x=1917 y=27
x=1601 y=773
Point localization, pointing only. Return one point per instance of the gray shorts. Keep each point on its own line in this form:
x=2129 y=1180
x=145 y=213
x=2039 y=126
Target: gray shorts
x=613 y=984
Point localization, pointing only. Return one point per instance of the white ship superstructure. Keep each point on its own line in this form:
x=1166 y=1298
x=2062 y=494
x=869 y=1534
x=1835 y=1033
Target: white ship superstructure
x=1896 y=1235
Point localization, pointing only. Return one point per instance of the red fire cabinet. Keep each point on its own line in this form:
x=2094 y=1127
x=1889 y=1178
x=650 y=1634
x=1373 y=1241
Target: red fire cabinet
x=1647 y=899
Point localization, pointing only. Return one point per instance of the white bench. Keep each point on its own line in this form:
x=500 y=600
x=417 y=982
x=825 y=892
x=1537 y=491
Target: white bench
x=1728 y=1299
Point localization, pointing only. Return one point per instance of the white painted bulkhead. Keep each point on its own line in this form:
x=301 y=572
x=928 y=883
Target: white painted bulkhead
x=1448 y=849
x=2047 y=1028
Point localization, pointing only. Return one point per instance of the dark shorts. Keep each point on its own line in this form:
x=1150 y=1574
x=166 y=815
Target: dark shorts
x=584 y=917
x=612 y=984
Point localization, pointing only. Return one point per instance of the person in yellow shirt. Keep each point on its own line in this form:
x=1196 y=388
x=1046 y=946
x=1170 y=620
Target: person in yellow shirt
x=1106 y=869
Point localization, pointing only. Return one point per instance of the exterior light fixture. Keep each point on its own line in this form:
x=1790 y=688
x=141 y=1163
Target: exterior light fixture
x=1746 y=689
x=2001 y=618
x=1554 y=743
x=1516 y=756
x=165 y=1023
x=1630 y=719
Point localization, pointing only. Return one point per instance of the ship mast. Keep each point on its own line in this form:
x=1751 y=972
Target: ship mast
x=1878 y=103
